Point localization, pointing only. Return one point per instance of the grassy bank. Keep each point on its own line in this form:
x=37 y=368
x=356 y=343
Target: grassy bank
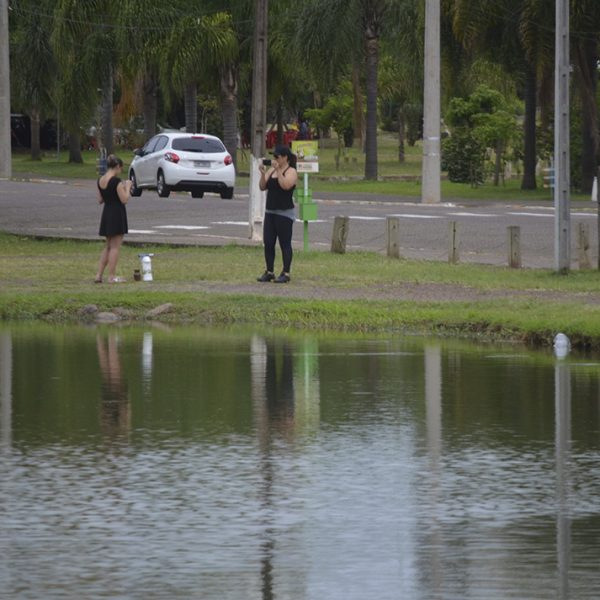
x=52 y=280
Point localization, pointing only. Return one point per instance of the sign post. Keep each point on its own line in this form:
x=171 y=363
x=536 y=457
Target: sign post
x=308 y=162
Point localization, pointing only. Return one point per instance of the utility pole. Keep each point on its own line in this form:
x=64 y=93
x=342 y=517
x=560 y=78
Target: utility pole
x=562 y=179
x=5 y=151
x=431 y=175
x=259 y=117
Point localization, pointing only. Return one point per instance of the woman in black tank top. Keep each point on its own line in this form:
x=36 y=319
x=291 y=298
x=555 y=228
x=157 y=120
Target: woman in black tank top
x=279 y=180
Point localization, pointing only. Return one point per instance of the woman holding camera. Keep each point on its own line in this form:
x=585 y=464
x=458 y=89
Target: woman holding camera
x=279 y=179
x=114 y=194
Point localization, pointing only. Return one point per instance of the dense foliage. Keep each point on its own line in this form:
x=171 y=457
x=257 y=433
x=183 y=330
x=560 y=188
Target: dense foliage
x=139 y=65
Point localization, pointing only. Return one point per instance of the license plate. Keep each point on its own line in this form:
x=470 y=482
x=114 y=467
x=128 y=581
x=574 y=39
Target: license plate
x=203 y=164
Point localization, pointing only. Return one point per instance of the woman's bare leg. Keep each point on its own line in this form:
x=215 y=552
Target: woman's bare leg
x=113 y=254
x=103 y=261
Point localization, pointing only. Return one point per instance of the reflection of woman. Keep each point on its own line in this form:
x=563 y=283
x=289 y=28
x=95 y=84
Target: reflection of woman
x=279 y=384
x=115 y=415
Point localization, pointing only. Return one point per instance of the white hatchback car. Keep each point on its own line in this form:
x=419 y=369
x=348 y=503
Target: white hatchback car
x=189 y=162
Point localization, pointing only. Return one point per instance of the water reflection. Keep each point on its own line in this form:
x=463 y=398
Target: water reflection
x=264 y=466
x=5 y=389
x=115 y=407
x=562 y=383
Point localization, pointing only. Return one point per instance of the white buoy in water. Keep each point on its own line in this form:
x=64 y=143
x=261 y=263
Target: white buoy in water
x=562 y=345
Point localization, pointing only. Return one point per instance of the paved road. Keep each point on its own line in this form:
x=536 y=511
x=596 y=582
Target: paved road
x=69 y=209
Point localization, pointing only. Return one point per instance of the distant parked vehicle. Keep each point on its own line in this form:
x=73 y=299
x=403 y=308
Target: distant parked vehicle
x=188 y=162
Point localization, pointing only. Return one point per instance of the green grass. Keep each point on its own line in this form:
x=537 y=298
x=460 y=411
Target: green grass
x=397 y=179
x=52 y=280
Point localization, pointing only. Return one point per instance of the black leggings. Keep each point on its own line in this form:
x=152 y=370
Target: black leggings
x=277 y=227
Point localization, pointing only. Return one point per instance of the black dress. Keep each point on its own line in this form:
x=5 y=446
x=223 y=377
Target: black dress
x=114 y=214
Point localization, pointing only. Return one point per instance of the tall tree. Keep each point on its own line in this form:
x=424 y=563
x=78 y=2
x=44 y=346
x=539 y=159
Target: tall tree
x=194 y=47
x=339 y=34
x=585 y=36
x=517 y=35
x=33 y=79
x=84 y=46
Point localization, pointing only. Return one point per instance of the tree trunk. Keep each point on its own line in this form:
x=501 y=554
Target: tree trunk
x=498 y=162
x=358 y=120
x=587 y=61
x=75 y=145
x=190 y=100
x=229 y=109
x=529 y=132
x=150 y=104
x=401 y=130
x=36 y=153
x=372 y=49
x=106 y=114
x=279 y=119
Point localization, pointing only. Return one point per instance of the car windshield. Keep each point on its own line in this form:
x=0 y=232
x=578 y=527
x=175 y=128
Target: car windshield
x=198 y=144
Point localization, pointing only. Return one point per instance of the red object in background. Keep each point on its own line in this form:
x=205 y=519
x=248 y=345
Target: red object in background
x=289 y=135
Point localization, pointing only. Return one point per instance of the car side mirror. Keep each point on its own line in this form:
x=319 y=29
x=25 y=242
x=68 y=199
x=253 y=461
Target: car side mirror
x=139 y=152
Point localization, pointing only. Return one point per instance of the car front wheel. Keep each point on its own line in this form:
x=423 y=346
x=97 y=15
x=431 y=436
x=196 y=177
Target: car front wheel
x=161 y=187
x=227 y=193
x=135 y=190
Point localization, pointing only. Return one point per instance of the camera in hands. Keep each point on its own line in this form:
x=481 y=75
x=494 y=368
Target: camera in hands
x=267 y=162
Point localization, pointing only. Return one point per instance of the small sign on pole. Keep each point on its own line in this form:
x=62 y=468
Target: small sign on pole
x=308 y=162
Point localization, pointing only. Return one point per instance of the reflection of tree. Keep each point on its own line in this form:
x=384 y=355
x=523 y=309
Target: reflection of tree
x=115 y=414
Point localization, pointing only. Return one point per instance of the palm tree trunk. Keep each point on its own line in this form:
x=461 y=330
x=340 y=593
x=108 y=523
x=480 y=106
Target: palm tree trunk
x=358 y=121
x=587 y=61
x=529 y=132
x=106 y=120
x=75 y=145
x=229 y=109
x=372 y=48
x=36 y=153
x=190 y=100
x=401 y=130
x=279 y=119
x=150 y=104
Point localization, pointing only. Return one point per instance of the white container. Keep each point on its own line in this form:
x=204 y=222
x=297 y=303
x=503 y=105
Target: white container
x=146 y=261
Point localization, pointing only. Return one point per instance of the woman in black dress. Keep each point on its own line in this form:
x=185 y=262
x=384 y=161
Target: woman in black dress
x=114 y=194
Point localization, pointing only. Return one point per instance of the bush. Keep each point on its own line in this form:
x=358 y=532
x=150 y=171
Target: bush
x=463 y=156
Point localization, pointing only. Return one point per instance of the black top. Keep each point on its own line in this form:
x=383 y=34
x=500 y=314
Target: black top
x=277 y=197
x=114 y=214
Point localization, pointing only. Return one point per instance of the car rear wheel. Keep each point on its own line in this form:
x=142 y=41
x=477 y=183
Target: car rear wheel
x=135 y=190
x=197 y=194
x=227 y=193
x=161 y=187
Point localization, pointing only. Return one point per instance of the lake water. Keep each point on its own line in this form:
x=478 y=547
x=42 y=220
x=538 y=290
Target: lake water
x=185 y=463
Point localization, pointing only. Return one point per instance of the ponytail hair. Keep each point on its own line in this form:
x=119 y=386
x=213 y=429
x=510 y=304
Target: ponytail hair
x=292 y=160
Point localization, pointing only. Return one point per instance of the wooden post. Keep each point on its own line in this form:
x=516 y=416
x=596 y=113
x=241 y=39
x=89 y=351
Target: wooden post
x=393 y=237
x=453 y=251
x=514 y=247
x=583 y=246
x=340 y=234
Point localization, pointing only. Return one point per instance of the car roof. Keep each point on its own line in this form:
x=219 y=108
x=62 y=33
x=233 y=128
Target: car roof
x=174 y=135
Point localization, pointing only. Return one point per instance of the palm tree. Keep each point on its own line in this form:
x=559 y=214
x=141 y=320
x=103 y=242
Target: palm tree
x=195 y=46
x=83 y=42
x=339 y=34
x=585 y=25
x=497 y=33
x=32 y=80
